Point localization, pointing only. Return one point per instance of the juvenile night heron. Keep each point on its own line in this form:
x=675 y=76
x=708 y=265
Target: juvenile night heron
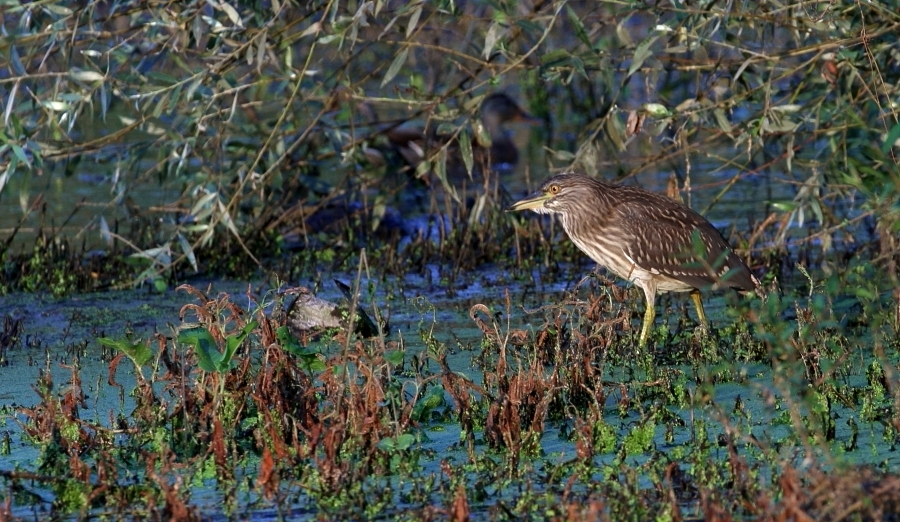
x=653 y=241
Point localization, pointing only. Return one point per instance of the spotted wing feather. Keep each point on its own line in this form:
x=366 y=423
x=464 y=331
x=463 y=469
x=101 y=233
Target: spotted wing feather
x=676 y=242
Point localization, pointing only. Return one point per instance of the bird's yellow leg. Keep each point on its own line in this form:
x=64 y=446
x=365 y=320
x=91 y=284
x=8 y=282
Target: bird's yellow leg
x=649 y=316
x=698 y=304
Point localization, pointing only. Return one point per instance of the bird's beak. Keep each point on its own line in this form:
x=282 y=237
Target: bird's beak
x=530 y=203
x=525 y=117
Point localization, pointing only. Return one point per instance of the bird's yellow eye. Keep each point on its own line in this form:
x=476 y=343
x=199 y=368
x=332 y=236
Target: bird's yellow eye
x=553 y=190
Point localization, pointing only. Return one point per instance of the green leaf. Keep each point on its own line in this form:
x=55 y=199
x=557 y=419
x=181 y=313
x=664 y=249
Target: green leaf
x=641 y=54
x=232 y=14
x=289 y=343
x=192 y=88
x=307 y=356
x=465 y=148
x=490 y=39
x=891 y=138
x=58 y=8
x=428 y=403
x=555 y=56
x=314 y=365
x=4 y=177
x=139 y=353
x=161 y=101
x=563 y=155
x=578 y=64
x=697 y=245
x=55 y=105
x=656 y=110
x=17 y=65
x=395 y=66
x=163 y=78
x=160 y=284
x=231 y=345
x=173 y=101
x=395 y=357
x=208 y=356
x=11 y=167
x=188 y=251
x=440 y=169
x=529 y=26
x=20 y=154
x=865 y=293
x=784 y=206
x=615 y=133
x=399 y=443
x=722 y=120
x=405 y=441
x=578 y=25
x=413 y=20
x=104 y=101
x=86 y=76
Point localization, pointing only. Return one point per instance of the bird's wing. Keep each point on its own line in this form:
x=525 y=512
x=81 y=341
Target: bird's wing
x=674 y=241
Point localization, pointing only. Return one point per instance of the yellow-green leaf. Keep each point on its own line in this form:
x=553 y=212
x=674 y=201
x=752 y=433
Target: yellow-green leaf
x=465 y=148
x=395 y=66
x=641 y=54
x=413 y=20
x=86 y=76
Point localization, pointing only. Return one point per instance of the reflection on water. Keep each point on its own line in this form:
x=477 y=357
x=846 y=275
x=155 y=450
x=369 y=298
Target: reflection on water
x=70 y=206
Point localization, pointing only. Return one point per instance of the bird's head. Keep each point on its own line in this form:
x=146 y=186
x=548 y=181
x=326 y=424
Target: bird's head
x=559 y=194
x=499 y=108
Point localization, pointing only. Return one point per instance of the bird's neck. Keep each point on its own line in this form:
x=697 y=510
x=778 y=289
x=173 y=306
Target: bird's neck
x=603 y=197
x=494 y=127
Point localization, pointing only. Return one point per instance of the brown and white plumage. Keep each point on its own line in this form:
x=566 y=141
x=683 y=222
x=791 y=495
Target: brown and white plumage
x=655 y=242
